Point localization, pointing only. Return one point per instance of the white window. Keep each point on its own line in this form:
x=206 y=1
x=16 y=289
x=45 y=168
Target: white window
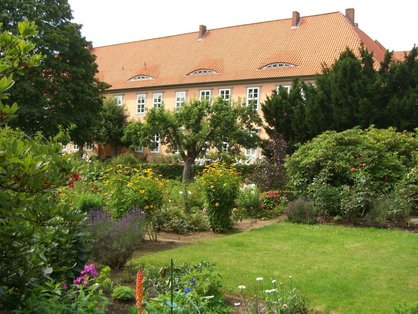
x=118 y=99
x=180 y=99
x=157 y=100
x=141 y=78
x=202 y=72
x=139 y=149
x=156 y=144
x=251 y=152
x=253 y=96
x=141 y=103
x=75 y=147
x=89 y=147
x=225 y=94
x=286 y=87
x=225 y=147
x=205 y=94
x=64 y=147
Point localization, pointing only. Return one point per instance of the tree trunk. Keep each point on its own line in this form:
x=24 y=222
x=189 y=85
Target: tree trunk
x=187 y=169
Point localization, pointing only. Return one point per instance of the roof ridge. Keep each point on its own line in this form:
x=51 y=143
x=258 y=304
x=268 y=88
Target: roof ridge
x=215 y=29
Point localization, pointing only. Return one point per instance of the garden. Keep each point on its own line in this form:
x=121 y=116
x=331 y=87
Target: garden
x=73 y=241
x=81 y=235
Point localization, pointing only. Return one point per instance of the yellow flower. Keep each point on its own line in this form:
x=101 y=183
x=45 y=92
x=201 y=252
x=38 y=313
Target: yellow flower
x=146 y=206
x=217 y=204
x=142 y=191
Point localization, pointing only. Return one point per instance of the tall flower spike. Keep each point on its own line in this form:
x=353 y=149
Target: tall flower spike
x=139 y=288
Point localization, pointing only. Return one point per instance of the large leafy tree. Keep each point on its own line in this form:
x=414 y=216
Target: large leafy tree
x=197 y=127
x=112 y=122
x=63 y=91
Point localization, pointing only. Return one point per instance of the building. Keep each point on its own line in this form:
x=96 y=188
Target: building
x=245 y=61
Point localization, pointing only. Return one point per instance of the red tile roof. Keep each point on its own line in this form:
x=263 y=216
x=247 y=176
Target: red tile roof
x=234 y=53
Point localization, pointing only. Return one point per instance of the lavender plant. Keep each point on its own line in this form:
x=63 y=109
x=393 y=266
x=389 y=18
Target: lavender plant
x=115 y=240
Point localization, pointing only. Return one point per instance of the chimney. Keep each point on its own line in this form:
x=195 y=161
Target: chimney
x=349 y=14
x=295 y=19
x=202 y=31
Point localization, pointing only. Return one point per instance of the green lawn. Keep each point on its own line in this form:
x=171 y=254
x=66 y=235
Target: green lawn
x=340 y=269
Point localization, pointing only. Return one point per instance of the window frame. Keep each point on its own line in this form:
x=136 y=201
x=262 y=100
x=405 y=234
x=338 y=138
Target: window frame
x=205 y=94
x=157 y=104
x=250 y=99
x=118 y=99
x=156 y=139
x=229 y=90
x=179 y=103
x=139 y=149
x=142 y=105
x=287 y=87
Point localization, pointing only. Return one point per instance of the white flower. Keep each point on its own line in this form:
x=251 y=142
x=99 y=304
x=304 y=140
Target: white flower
x=285 y=306
x=180 y=192
x=270 y=291
x=237 y=304
x=242 y=287
x=290 y=277
x=190 y=193
x=209 y=297
x=259 y=279
x=273 y=281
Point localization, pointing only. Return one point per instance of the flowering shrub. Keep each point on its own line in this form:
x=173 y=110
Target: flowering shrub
x=221 y=186
x=125 y=188
x=249 y=204
x=115 y=240
x=272 y=203
x=279 y=298
x=84 y=295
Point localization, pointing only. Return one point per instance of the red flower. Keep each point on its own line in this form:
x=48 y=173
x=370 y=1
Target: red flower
x=353 y=169
x=76 y=176
x=71 y=185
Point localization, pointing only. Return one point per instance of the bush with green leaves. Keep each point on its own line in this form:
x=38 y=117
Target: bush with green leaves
x=184 y=195
x=221 y=185
x=197 y=289
x=249 y=203
x=40 y=237
x=84 y=295
x=175 y=220
x=272 y=203
x=115 y=240
x=301 y=211
x=344 y=172
x=123 y=293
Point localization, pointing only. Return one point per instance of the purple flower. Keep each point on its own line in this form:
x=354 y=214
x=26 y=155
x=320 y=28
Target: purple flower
x=192 y=281
x=64 y=286
x=78 y=280
x=89 y=270
x=188 y=289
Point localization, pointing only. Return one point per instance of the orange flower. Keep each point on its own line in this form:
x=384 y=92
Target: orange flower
x=139 y=288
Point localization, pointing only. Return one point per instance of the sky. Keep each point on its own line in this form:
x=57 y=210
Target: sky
x=107 y=22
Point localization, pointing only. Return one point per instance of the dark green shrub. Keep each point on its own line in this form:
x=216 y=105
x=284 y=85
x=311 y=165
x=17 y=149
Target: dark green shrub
x=127 y=160
x=115 y=240
x=175 y=220
x=123 y=293
x=344 y=172
x=40 y=237
x=301 y=211
x=86 y=201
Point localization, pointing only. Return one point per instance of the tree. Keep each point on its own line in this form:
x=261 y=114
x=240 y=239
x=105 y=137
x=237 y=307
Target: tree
x=112 y=121
x=197 y=127
x=16 y=56
x=63 y=90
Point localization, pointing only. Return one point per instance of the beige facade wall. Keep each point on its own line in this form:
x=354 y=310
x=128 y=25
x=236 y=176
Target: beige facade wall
x=237 y=92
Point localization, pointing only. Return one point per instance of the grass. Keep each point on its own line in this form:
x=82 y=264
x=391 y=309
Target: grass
x=339 y=269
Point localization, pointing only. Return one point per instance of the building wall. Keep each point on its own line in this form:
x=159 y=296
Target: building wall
x=238 y=92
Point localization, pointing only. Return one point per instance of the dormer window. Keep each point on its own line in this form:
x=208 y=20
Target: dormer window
x=141 y=78
x=278 y=65
x=202 y=72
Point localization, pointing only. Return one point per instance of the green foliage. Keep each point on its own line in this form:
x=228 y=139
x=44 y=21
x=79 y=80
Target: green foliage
x=344 y=172
x=123 y=293
x=196 y=127
x=301 y=211
x=16 y=56
x=41 y=238
x=63 y=90
x=281 y=298
x=52 y=297
x=115 y=240
x=86 y=201
x=349 y=93
x=197 y=288
x=249 y=202
x=125 y=188
x=221 y=186
x=112 y=121
x=175 y=220
x=272 y=203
